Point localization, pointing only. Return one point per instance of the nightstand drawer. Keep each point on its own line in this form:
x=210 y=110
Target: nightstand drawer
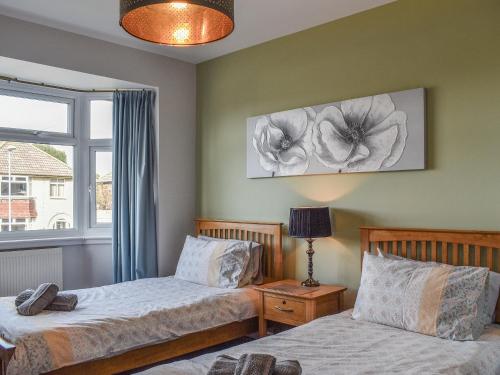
x=284 y=310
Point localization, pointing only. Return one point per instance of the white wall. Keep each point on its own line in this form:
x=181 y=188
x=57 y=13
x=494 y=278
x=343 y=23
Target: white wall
x=176 y=81
x=48 y=208
x=87 y=266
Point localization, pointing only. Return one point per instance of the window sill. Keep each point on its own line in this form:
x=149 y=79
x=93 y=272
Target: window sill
x=6 y=245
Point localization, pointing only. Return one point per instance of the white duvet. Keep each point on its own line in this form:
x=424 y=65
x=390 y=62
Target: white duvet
x=112 y=319
x=338 y=345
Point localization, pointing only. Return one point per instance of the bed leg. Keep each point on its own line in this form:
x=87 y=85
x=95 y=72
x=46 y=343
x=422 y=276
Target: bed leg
x=6 y=352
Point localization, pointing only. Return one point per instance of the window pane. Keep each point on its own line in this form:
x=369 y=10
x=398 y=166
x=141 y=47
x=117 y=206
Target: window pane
x=103 y=190
x=33 y=114
x=101 y=119
x=60 y=224
x=37 y=174
x=18 y=187
x=57 y=188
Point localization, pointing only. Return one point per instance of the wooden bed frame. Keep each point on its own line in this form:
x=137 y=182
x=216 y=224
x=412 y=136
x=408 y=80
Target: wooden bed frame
x=268 y=234
x=456 y=247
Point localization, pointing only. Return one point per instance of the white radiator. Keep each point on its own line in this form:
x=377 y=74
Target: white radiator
x=23 y=269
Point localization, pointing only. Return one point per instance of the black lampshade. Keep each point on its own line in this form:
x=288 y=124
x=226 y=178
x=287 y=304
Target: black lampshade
x=310 y=222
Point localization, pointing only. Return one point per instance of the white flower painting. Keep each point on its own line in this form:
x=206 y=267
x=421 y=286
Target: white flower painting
x=376 y=133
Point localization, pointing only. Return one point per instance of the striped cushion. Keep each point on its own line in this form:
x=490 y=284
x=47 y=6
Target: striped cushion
x=443 y=301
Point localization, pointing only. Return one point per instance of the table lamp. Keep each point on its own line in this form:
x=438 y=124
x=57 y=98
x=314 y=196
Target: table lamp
x=310 y=223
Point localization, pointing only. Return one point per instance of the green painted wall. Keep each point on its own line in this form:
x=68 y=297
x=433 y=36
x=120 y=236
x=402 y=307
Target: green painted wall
x=451 y=47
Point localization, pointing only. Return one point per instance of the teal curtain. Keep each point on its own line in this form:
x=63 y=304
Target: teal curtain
x=134 y=211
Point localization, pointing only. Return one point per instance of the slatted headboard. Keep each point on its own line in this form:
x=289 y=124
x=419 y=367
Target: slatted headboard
x=267 y=234
x=456 y=247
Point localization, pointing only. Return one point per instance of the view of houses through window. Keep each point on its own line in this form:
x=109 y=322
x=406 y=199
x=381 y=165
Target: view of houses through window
x=37 y=186
x=103 y=199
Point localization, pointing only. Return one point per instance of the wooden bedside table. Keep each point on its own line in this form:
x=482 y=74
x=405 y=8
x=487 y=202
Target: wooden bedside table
x=288 y=302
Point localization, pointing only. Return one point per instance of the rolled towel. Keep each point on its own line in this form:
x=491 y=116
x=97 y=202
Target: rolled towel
x=226 y=365
x=223 y=365
x=255 y=364
x=287 y=368
x=42 y=297
x=62 y=302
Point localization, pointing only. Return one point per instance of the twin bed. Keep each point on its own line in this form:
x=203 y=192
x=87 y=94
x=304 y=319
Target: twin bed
x=338 y=344
x=136 y=324
x=130 y=325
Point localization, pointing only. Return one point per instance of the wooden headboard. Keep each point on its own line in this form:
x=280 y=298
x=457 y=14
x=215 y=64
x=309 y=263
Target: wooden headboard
x=456 y=247
x=267 y=234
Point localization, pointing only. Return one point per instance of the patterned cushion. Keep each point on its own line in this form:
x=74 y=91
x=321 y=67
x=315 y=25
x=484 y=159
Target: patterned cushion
x=444 y=301
x=213 y=263
x=491 y=295
x=253 y=273
x=397 y=257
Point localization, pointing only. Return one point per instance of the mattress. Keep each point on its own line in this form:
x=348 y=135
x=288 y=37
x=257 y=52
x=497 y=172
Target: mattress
x=112 y=319
x=338 y=344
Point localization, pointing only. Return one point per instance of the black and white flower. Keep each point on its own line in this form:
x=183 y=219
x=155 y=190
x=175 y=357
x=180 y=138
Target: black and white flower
x=283 y=141
x=363 y=135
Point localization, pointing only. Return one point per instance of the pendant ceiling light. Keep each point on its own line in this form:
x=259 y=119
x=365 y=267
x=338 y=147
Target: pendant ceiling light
x=178 y=22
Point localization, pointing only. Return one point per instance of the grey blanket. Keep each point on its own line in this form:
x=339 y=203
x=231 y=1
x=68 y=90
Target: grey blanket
x=253 y=364
x=62 y=302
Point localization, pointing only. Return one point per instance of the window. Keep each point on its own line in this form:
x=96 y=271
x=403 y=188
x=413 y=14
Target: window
x=37 y=113
x=49 y=153
x=16 y=225
x=101 y=119
x=18 y=186
x=60 y=224
x=103 y=179
x=57 y=188
x=46 y=166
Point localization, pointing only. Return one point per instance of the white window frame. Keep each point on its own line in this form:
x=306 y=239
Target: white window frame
x=92 y=146
x=78 y=137
x=18 y=222
x=59 y=221
x=93 y=187
x=14 y=176
x=41 y=93
x=57 y=182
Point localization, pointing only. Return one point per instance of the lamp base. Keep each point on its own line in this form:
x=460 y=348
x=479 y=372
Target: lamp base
x=310 y=283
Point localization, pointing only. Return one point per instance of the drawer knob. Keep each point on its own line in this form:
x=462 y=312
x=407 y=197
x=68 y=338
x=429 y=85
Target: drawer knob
x=283 y=309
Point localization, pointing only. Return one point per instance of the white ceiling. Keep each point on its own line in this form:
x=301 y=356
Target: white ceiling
x=257 y=21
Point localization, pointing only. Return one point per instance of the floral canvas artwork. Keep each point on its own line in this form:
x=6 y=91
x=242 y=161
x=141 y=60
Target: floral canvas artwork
x=376 y=133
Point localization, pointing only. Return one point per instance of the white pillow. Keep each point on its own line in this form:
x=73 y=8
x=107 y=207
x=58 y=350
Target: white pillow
x=492 y=294
x=443 y=301
x=253 y=273
x=213 y=263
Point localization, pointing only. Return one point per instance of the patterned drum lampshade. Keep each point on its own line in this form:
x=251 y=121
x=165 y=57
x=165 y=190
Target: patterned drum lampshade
x=178 y=22
x=310 y=223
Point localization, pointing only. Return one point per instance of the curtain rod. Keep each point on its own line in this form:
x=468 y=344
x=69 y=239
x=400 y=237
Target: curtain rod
x=41 y=84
